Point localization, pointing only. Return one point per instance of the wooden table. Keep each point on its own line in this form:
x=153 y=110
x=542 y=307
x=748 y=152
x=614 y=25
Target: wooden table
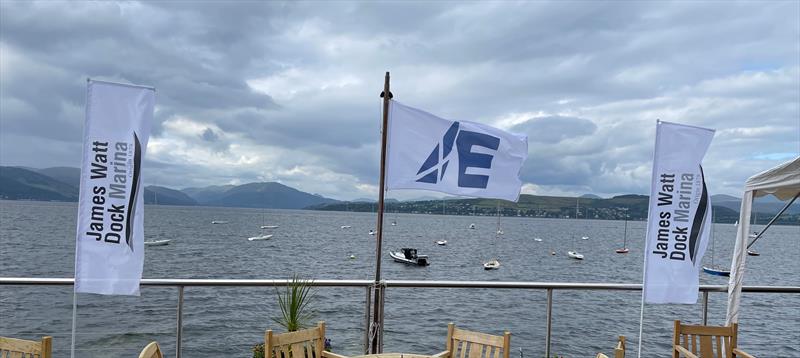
x=393 y=355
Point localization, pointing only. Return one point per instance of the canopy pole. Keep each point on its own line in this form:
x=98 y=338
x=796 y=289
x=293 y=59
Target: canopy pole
x=773 y=220
x=377 y=318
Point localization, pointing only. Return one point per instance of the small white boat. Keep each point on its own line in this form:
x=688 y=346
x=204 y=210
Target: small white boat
x=441 y=242
x=269 y=226
x=409 y=256
x=492 y=264
x=157 y=242
x=259 y=238
x=752 y=252
x=352 y=257
x=372 y=232
x=537 y=239
x=499 y=232
x=472 y=226
x=219 y=222
x=575 y=255
x=394 y=223
x=346 y=226
x=584 y=238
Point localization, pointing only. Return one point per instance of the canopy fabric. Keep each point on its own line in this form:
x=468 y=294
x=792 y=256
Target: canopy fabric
x=783 y=181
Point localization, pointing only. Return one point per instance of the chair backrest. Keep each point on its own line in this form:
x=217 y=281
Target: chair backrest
x=705 y=341
x=12 y=347
x=619 y=350
x=307 y=343
x=151 y=350
x=468 y=344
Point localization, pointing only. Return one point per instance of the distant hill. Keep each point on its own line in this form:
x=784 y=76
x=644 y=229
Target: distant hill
x=256 y=195
x=364 y=200
x=67 y=175
x=24 y=184
x=615 y=208
x=766 y=205
x=61 y=184
x=207 y=194
x=165 y=196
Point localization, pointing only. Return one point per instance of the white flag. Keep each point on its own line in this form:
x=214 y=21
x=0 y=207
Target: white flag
x=109 y=253
x=455 y=157
x=679 y=215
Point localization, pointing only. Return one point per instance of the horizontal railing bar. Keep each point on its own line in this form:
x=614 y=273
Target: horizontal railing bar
x=190 y=282
x=35 y=281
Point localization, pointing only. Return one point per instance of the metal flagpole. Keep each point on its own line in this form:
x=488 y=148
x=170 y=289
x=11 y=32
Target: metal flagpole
x=377 y=318
x=74 y=320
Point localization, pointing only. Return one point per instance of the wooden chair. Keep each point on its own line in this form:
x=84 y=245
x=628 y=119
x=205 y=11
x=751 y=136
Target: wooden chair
x=12 y=347
x=686 y=338
x=307 y=343
x=151 y=350
x=463 y=343
x=619 y=351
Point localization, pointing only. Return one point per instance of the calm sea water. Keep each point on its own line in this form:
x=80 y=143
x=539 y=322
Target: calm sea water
x=37 y=240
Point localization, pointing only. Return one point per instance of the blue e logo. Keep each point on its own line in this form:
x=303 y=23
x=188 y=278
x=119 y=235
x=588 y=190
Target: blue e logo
x=433 y=169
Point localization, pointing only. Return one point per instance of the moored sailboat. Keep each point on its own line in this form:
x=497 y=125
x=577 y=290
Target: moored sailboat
x=494 y=264
x=575 y=254
x=714 y=269
x=624 y=249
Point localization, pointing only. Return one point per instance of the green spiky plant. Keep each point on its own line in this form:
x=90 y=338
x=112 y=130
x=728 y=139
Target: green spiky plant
x=296 y=304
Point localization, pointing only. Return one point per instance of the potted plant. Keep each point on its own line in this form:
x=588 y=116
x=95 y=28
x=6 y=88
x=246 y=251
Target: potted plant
x=296 y=305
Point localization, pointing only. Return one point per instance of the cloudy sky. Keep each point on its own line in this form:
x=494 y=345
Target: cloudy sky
x=288 y=92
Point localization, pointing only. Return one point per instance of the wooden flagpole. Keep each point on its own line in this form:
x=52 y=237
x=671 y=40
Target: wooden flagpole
x=376 y=327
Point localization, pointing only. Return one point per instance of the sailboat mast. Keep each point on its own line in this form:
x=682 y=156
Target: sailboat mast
x=497 y=233
x=713 y=216
x=377 y=319
x=625 y=233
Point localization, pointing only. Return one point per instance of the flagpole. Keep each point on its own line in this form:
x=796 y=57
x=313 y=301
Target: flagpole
x=74 y=320
x=377 y=318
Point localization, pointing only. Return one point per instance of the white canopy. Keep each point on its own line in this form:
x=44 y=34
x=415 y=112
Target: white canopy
x=783 y=181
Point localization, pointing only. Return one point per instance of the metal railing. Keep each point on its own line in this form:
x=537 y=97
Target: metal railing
x=369 y=286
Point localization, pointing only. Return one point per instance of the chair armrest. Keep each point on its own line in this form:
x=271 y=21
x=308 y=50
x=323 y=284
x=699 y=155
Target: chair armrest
x=685 y=351
x=444 y=354
x=332 y=355
x=740 y=353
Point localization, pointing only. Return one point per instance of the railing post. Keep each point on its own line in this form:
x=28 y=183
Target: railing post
x=179 y=332
x=367 y=319
x=380 y=326
x=705 y=308
x=549 y=322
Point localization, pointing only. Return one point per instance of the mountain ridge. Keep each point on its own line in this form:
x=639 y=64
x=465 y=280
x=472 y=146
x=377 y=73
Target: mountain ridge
x=61 y=184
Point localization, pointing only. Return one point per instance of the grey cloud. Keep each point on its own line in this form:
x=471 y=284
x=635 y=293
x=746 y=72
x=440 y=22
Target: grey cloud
x=209 y=135
x=600 y=74
x=554 y=129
